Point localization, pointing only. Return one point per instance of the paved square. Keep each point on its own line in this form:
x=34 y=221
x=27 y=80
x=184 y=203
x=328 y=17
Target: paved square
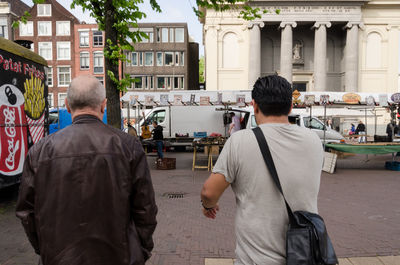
x=360 y=204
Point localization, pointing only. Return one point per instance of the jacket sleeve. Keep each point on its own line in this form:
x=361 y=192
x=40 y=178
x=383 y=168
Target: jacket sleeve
x=143 y=205
x=25 y=209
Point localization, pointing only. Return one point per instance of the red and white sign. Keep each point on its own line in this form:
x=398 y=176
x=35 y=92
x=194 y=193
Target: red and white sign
x=13 y=133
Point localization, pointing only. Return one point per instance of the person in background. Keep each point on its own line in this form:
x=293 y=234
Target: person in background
x=132 y=131
x=235 y=125
x=86 y=195
x=361 y=131
x=158 y=138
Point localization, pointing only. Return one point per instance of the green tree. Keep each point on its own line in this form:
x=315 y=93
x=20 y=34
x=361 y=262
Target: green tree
x=201 y=69
x=115 y=17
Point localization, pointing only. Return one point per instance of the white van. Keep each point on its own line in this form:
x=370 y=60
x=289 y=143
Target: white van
x=302 y=120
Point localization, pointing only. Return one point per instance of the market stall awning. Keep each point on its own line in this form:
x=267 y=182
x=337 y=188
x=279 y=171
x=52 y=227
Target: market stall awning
x=366 y=148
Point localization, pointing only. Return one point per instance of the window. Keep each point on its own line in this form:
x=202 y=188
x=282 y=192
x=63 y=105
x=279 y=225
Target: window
x=140 y=58
x=171 y=35
x=164 y=82
x=159 y=58
x=44 y=28
x=134 y=60
x=26 y=29
x=97 y=38
x=61 y=99
x=50 y=100
x=64 y=50
x=148 y=82
x=148 y=58
x=169 y=58
x=64 y=75
x=150 y=36
x=137 y=84
x=63 y=28
x=158 y=116
x=98 y=62
x=312 y=123
x=84 y=60
x=160 y=82
x=84 y=38
x=179 y=35
x=101 y=79
x=44 y=10
x=182 y=61
x=164 y=35
x=179 y=82
x=3 y=31
x=176 y=58
x=49 y=76
x=158 y=32
x=45 y=50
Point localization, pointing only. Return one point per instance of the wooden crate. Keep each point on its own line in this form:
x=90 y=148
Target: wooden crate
x=166 y=163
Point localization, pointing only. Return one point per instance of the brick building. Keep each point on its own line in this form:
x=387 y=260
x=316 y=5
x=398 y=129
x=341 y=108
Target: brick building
x=51 y=29
x=88 y=51
x=10 y=11
x=167 y=60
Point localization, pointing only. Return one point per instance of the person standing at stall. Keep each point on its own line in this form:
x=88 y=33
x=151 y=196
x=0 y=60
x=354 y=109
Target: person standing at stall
x=361 y=131
x=158 y=138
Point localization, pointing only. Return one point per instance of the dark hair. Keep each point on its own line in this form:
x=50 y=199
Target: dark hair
x=155 y=122
x=273 y=95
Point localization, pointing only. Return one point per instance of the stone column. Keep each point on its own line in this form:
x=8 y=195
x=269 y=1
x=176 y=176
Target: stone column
x=254 y=52
x=320 y=55
x=211 y=56
x=287 y=49
x=351 y=57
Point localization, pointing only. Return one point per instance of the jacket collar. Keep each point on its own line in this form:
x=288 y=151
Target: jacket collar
x=85 y=118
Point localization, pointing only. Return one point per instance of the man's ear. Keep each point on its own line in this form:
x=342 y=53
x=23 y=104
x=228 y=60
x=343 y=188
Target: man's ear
x=255 y=106
x=291 y=108
x=67 y=105
x=103 y=105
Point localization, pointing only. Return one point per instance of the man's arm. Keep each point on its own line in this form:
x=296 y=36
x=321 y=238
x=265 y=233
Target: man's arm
x=143 y=205
x=212 y=190
x=25 y=209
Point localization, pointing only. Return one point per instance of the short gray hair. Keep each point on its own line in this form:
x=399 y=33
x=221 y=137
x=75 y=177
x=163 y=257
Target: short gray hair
x=85 y=91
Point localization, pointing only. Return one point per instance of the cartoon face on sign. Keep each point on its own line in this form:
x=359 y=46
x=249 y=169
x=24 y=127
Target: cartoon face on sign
x=13 y=145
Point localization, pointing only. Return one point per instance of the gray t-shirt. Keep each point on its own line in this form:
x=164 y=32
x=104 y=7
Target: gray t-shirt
x=261 y=216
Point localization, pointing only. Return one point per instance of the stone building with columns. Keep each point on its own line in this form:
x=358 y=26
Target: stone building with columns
x=348 y=45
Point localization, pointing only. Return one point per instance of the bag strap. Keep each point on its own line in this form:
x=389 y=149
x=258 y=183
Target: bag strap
x=262 y=143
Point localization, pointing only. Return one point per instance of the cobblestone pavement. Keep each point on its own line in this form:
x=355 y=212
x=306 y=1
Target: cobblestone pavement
x=360 y=204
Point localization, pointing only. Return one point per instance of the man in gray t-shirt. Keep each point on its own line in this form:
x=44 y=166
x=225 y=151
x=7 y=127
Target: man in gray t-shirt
x=261 y=217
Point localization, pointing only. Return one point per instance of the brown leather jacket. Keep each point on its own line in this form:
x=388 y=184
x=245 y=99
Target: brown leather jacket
x=86 y=197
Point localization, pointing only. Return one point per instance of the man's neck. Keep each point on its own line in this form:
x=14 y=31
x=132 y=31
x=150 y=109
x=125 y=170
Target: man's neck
x=273 y=119
x=77 y=113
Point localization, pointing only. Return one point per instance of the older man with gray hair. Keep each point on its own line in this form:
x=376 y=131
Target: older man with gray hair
x=86 y=194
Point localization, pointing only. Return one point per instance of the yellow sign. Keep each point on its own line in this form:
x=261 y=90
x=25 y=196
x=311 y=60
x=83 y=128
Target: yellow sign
x=351 y=98
x=296 y=94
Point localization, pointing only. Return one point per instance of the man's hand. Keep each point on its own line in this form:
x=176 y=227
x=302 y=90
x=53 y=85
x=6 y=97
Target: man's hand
x=211 y=213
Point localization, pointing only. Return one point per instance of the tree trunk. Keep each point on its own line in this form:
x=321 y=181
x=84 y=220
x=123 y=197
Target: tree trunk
x=112 y=92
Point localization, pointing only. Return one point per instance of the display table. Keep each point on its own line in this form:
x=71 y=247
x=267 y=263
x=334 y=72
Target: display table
x=211 y=147
x=366 y=148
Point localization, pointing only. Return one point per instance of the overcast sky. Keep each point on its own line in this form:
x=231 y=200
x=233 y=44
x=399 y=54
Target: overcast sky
x=172 y=11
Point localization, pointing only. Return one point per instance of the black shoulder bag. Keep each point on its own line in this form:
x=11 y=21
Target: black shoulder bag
x=307 y=241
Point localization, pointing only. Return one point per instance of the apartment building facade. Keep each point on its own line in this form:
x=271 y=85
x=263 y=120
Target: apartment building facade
x=51 y=29
x=10 y=11
x=166 y=60
x=88 y=51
